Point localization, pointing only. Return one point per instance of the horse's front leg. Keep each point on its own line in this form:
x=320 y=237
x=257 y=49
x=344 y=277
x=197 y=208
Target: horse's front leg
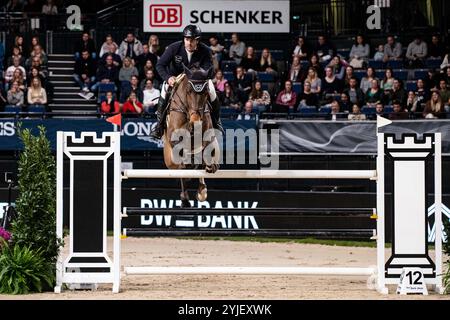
x=184 y=195
x=202 y=191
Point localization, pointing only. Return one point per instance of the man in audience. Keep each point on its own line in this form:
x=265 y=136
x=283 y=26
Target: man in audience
x=133 y=87
x=146 y=55
x=237 y=49
x=392 y=49
x=242 y=84
x=217 y=51
x=398 y=93
x=416 y=53
x=354 y=92
x=85 y=44
x=324 y=49
x=399 y=112
x=85 y=69
x=130 y=47
x=106 y=74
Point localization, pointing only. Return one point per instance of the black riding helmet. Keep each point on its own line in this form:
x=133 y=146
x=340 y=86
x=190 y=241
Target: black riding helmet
x=192 y=31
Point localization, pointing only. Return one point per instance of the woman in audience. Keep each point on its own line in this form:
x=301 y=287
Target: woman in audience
x=366 y=82
x=150 y=75
x=219 y=82
x=20 y=43
x=127 y=70
x=314 y=62
x=349 y=74
x=308 y=98
x=301 y=50
x=19 y=78
x=267 y=63
x=37 y=96
x=422 y=92
x=109 y=46
x=34 y=72
x=434 y=108
x=259 y=97
x=132 y=105
x=330 y=84
x=338 y=67
x=16 y=53
x=412 y=104
x=356 y=114
x=250 y=62
x=230 y=99
x=314 y=80
x=37 y=52
x=110 y=105
x=388 y=82
x=374 y=95
x=359 y=54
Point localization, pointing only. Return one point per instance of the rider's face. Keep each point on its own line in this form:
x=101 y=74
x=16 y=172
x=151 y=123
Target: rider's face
x=190 y=44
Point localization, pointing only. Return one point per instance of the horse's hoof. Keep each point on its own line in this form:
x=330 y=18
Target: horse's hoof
x=212 y=168
x=185 y=203
x=202 y=195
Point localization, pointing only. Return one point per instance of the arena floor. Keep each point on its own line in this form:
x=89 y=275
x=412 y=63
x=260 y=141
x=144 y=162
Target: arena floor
x=177 y=252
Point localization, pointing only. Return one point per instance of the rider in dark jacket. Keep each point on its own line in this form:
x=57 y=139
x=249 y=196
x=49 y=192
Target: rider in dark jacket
x=189 y=52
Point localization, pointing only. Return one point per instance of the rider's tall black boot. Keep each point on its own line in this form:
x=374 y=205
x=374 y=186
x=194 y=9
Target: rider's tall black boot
x=158 y=131
x=217 y=123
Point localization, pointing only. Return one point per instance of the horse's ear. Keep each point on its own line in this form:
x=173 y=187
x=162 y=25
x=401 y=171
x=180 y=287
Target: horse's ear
x=187 y=71
x=210 y=72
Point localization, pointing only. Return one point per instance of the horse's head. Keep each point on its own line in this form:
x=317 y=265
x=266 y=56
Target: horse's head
x=197 y=92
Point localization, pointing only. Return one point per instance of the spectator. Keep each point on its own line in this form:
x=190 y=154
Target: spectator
x=19 y=42
x=301 y=49
x=151 y=96
x=35 y=72
x=15 y=54
x=374 y=95
x=117 y=60
x=216 y=50
x=314 y=80
x=237 y=49
x=219 y=82
x=242 y=85
x=359 y=54
x=110 y=105
x=85 y=69
x=314 y=63
x=345 y=103
x=127 y=71
x=15 y=96
x=130 y=47
x=398 y=112
x=132 y=105
x=434 y=108
x=443 y=90
x=356 y=114
x=153 y=43
x=10 y=71
x=412 y=103
x=416 y=53
x=422 y=92
x=392 y=49
x=85 y=44
x=259 y=97
x=307 y=97
x=349 y=74
x=142 y=60
x=366 y=82
x=132 y=87
x=249 y=61
x=229 y=99
x=336 y=113
x=379 y=111
x=107 y=73
x=37 y=52
x=109 y=46
x=355 y=94
x=388 y=81
x=150 y=75
x=37 y=96
x=436 y=49
x=18 y=77
x=324 y=49
x=286 y=98
x=247 y=113
x=267 y=63
x=379 y=55
x=330 y=84
x=296 y=73
x=49 y=8
x=147 y=66
x=34 y=42
x=36 y=63
x=398 y=93
x=338 y=67
x=445 y=63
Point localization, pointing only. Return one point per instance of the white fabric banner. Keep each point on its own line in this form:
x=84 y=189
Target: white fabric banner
x=217 y=16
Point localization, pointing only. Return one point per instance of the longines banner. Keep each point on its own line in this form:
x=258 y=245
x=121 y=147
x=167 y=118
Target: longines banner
x=346 y=137
x=260 y=16
x=135 y=132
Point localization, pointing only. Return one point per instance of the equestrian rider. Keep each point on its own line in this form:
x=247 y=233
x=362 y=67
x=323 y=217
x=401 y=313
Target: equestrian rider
x=190 y=52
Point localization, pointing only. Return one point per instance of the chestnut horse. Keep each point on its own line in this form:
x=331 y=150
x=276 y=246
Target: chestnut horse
x=189 y=120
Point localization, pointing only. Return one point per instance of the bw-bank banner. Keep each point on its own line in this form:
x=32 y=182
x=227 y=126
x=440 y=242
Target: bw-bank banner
x=217 y=16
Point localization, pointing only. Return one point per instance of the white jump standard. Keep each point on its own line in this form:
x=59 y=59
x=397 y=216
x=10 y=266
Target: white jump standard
x=407 y=161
